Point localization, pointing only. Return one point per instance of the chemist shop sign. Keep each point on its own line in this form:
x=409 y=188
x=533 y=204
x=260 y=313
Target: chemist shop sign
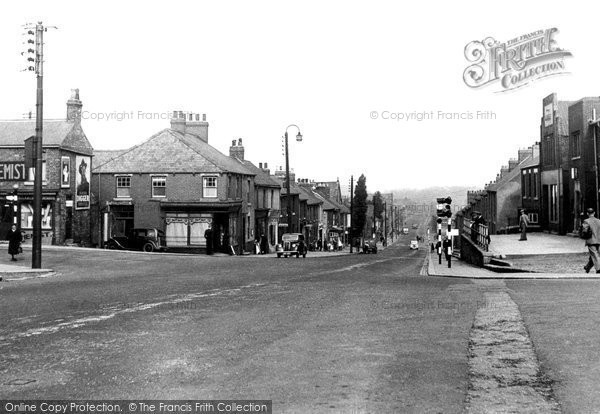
x=12 y=171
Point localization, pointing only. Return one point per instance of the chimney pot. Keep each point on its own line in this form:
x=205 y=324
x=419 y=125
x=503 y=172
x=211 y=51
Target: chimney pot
x=265 y=164
x=204 y=117
x=260 y=165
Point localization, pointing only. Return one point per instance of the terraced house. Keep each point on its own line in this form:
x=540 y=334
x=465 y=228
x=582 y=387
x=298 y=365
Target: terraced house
x=176 y=182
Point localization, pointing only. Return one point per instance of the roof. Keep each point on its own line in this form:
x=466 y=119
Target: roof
x=171 y=151
x=508 y=177
x=312 y=198
x=261 y=178
x=59 y=132
x=530 y=162
x=103 y=156
x=294 y=189
x=327 y=204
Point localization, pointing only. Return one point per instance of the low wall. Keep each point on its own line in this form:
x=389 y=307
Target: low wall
x=471 y=253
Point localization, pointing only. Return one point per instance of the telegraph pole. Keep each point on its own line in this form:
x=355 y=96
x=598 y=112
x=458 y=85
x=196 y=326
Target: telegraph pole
x=351 y=212
x=36 y=262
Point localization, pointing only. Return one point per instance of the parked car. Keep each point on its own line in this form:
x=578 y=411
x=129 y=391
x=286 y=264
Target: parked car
x=405 y=230
x=292 y=244
x=414 y=245
x=370 y=246
x=148 y=240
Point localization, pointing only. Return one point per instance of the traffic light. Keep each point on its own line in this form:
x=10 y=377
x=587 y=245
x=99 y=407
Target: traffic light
x=443 y=208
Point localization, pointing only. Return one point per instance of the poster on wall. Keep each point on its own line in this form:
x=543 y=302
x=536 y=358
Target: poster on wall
x=82 y=191
x=65 y=172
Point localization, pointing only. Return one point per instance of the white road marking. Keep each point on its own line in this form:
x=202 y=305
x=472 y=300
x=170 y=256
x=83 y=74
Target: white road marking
x=117 y=311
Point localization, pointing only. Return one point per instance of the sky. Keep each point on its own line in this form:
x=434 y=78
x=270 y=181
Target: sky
x=338 y=70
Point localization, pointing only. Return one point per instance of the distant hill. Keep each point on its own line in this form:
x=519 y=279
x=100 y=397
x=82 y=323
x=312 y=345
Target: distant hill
x=428 y=195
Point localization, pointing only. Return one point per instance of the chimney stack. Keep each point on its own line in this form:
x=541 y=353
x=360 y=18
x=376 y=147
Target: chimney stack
x=197 y=127
x=512 y=163
x=178 y=121
x=190 y=123
x=237 y=151
x=265 y=168
x=74 y=107
x=524 y=153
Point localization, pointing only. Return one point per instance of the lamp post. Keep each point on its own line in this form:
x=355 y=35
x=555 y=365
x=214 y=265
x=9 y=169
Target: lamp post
x=287 y=175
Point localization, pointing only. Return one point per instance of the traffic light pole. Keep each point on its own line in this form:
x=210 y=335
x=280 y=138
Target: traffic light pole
x=351 y=212
x=36 y=260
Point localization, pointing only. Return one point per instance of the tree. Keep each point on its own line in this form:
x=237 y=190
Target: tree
x=377 y=205
x=359 y=216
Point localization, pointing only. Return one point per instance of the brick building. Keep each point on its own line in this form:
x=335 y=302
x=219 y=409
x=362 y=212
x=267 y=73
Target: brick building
x=554 y=164
x=581 y=191
x=176 y=182
x=531 y=187
x=67 y=162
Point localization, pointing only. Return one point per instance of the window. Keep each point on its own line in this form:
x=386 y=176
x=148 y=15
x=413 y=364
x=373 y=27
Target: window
x=534 y=185
x=123 y=186
x=553 y=203
x=533 y=218
x=576 y=145
x=549 y=150
x=524 y=189
x=31 y=174
x=209 y=187
x=248 y=193
x=159 y=186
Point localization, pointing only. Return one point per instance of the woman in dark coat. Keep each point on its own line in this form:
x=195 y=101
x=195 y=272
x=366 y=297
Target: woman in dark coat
x=14 y=238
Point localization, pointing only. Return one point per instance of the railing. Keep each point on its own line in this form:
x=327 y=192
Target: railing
x=479 y=233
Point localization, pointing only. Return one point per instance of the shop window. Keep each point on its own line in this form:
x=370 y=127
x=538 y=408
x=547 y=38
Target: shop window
x=31 y=174
x=27 y=216
x=159 y=186
x=209 y=187
x=123 y=186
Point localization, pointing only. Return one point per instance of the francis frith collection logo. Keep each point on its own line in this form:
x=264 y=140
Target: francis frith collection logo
x=516 y=62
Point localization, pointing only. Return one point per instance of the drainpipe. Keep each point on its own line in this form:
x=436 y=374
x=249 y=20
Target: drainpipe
x=595 y=125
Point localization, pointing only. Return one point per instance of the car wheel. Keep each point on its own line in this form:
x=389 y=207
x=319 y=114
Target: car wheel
x=111 y=246
x=148 y=247
x=304 y=256
x=279 y=255
x=297 y=255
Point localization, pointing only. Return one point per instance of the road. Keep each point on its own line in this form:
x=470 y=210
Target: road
x=360 y=333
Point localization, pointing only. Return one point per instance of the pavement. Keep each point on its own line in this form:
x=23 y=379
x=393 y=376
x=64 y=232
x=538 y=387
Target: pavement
x=536 y=244
x=541 y=256
x=19 y=270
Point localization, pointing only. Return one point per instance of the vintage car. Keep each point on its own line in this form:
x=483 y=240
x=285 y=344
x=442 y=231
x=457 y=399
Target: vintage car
x=292 y=244
x=414 y=245
x=148 y=240
x=370 y=246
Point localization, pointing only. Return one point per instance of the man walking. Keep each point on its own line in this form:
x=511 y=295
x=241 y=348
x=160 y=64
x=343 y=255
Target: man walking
x=590 y=230
x=523 y=224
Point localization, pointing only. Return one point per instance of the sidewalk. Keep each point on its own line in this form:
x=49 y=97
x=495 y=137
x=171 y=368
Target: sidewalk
x=462 y=269
x=536 y=244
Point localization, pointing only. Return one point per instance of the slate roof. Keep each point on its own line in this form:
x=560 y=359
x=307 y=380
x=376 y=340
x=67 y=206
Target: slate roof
x=103 y=156
x=261 y=178
x=312 y=198
x=59 y=132
x=508 y=177
x=171 y=151
x=530 y=162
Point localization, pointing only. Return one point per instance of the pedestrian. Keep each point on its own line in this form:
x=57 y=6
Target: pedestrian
x=320 y=244
x=523 y=224
x=264 y=244
x=590 y=231
x=208 y=235
x=14 y=238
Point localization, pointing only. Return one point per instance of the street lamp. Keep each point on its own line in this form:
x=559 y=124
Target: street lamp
x=287 y=175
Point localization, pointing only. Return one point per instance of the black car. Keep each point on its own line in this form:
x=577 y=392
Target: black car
x=370 y=246
x=148 y=240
